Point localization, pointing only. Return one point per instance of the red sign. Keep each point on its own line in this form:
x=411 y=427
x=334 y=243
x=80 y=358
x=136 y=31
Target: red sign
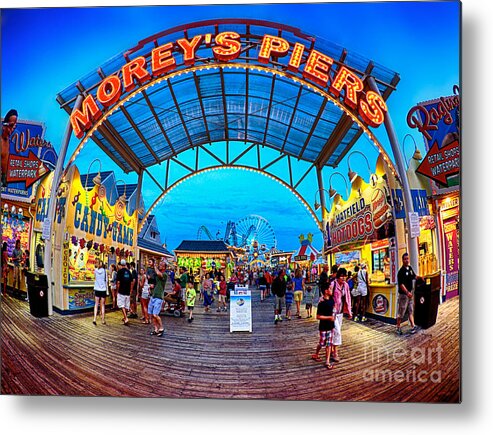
x=441 y=163
x=313 y=65
x=28 y=169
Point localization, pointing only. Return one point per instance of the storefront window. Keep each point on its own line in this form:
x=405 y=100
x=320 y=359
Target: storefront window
x=381 y=264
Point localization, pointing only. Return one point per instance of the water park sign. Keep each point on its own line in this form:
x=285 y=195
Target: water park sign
x=312 y=64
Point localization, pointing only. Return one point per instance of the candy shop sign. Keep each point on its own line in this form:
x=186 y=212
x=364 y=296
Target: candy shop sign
x=313 y=65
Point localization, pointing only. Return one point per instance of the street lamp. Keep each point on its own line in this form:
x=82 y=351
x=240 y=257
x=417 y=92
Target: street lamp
x=333 y=192
x=97 y=179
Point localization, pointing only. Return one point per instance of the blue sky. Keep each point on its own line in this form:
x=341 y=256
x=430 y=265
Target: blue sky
x=42 y=54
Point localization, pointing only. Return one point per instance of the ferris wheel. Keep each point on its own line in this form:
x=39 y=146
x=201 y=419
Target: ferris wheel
x=254 y=231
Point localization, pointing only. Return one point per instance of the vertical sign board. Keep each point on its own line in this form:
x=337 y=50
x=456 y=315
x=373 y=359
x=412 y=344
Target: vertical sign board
x=240 y=309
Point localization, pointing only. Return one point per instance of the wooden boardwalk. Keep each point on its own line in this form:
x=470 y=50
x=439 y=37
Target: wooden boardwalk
x=69 y=356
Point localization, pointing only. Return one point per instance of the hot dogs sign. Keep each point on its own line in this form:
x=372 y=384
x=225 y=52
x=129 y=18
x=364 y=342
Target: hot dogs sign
x=365 y=215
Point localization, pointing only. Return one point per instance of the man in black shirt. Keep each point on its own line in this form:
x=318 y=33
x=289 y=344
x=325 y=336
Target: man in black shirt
x=325 y=313
x=133 y=292
x=279 y=291
x=123 y=287
x=405 y=301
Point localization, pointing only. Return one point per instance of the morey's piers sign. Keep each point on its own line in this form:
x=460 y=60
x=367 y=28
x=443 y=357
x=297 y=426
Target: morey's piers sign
x=313 y=65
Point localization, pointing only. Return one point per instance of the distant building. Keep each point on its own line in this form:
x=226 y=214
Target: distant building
x=150 y=244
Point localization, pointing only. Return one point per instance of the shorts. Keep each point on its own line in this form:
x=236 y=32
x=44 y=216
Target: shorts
x=325 y=339
x=279 y=303
x=155 y=306
x=145 y=294
x=100 y=293
x=190 y=307
x=288 y=307
x=362 y=290
x=336 y=332
x=123 y=301
x=298 y=296
x=404 y=304
x=222 y=298
x=308 y=306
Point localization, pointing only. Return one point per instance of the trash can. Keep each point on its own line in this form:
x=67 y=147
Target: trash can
x=426 y=301
x=37 y=289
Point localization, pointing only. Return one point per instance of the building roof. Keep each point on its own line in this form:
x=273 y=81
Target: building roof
x=89 y=177
x=155 y=247
x=202 y=246
x=129 y=189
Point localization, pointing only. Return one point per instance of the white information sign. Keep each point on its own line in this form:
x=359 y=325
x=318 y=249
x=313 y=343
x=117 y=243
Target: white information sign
x=240 y=309
x=414 y=224
x=46 y=229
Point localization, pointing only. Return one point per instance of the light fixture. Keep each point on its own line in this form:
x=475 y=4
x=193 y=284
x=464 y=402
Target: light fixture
x=404 y=148
x=97 y=179
x=352 y=174
x=332 y=191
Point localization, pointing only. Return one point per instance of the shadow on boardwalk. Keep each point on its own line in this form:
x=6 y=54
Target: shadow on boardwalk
x=68 y=355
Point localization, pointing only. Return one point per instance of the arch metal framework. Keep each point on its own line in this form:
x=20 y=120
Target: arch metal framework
x=205 y=99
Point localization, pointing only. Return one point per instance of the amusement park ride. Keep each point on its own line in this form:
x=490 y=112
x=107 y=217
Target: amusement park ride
x=253 y=234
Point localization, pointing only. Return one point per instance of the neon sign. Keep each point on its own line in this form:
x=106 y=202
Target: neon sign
x=315 y=66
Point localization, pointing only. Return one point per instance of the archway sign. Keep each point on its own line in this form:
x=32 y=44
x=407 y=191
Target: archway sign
x=226 y=81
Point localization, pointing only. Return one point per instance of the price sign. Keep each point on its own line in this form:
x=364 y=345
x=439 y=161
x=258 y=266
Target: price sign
x=240 y=309
x=46 y=229
x=414 y=227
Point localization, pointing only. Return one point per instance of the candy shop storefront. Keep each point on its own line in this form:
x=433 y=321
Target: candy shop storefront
x=87 y=229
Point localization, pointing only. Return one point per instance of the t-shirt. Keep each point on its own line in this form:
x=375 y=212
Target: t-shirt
x=100 y=279
x=17 y=257
x=309 y=297
x=191 y=295
x=124 y=277
x=135 y=277
x=158 y=291
x=289 y=297
x=184 y=280
x=406 y=276
x=326 y=308
x=298 y=284
x=151 y=276
x=222 y=288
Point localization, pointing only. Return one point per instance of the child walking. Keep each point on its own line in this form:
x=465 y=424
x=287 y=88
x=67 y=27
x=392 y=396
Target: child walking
x=309 y=301
x=190 y=296
x=325 y=313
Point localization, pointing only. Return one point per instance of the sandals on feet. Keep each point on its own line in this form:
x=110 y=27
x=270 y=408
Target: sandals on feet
x=329 y=366
x=160 y=333
x=316 y=357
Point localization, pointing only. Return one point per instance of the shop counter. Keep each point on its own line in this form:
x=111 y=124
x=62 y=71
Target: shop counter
x=382 y=302
x=10 y=281
x=78 y=297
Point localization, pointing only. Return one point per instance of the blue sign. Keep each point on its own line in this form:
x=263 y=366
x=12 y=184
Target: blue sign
x=27 y=141
x=420 y=203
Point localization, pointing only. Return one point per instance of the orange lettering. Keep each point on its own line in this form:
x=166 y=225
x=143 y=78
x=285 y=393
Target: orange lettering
x=296 y=56
x=317 y=68
x=373 y=109
x=228 y=47
x=162 y=60
x=136 y=69
x=353 y=84
x=189 y=48
x=81 y=120
x=109 y=91
x=272 y=45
